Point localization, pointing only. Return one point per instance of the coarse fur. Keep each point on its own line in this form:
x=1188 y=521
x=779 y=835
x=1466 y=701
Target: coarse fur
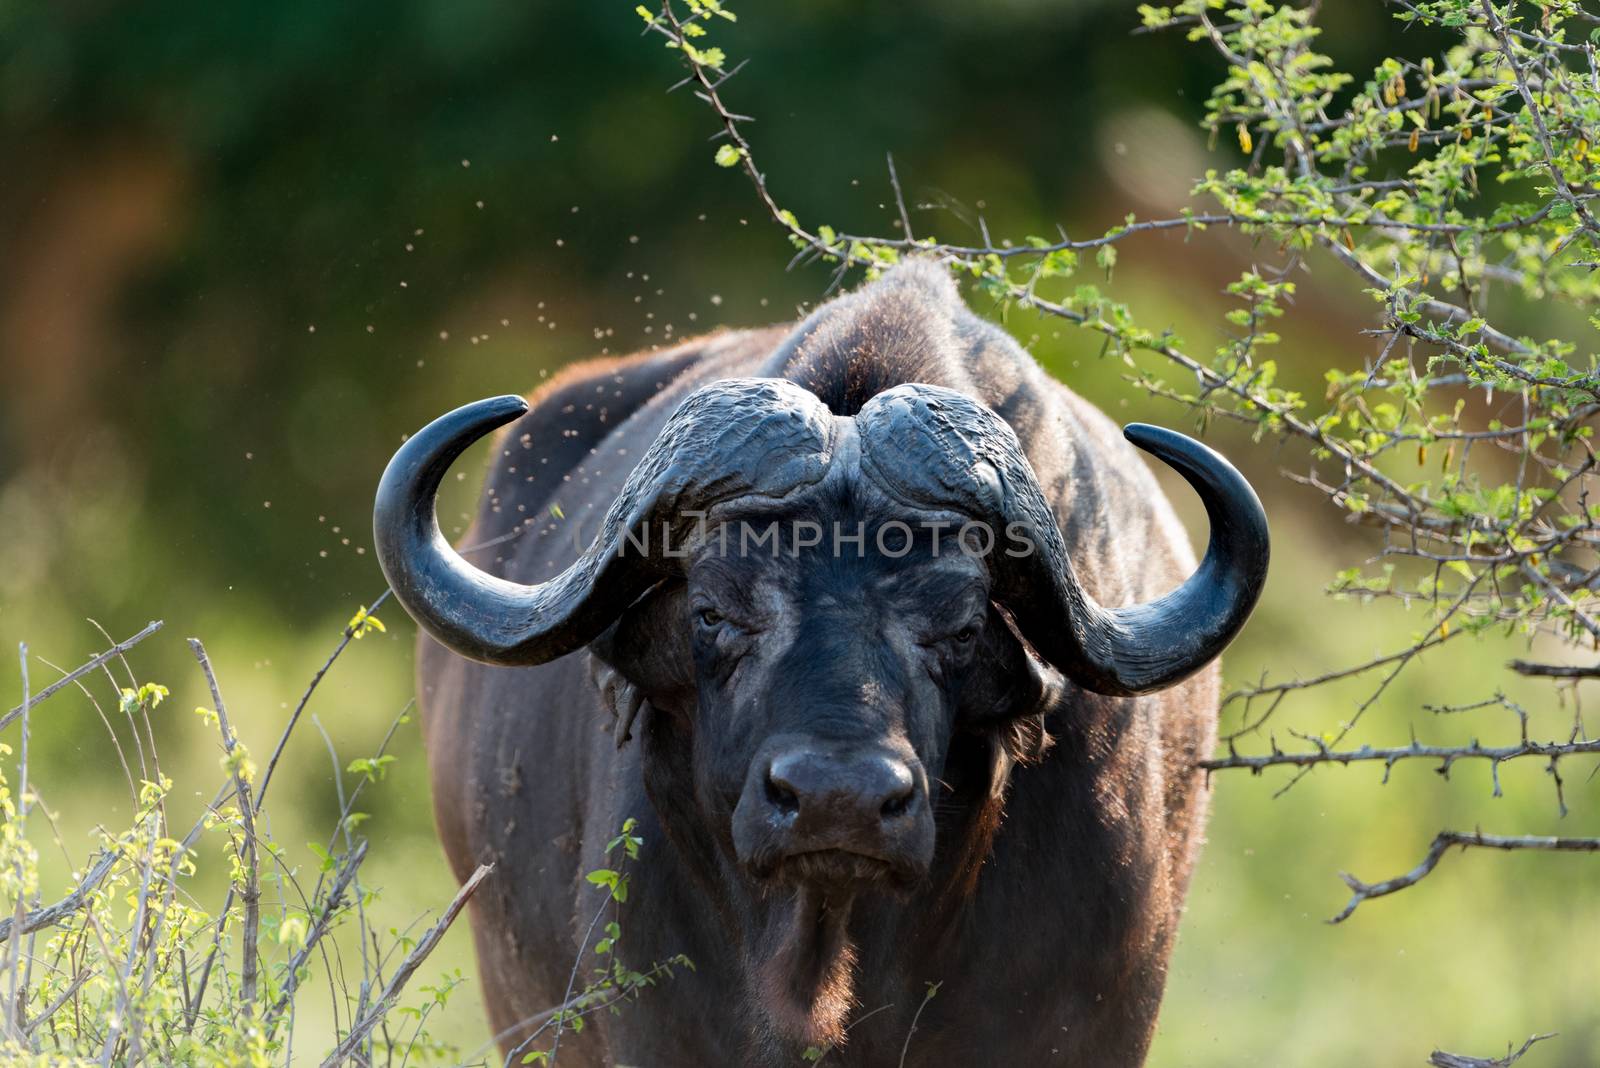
x=1060 y=859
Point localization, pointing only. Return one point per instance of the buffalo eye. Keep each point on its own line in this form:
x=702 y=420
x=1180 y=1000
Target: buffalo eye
x=960 y=641
x=710 y=617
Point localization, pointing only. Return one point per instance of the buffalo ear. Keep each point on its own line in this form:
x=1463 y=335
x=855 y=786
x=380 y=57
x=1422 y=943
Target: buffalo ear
x=1010 y=690
x=648 y=647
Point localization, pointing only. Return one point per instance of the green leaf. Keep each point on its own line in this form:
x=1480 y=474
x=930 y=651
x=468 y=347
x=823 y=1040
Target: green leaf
x=728 y=156
x=328 y=863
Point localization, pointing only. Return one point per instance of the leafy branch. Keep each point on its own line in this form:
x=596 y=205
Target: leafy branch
x=1455 y=188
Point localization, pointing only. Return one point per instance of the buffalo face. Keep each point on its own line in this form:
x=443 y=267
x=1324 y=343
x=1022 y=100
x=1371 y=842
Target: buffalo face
x=827 y=687
x=815 y=684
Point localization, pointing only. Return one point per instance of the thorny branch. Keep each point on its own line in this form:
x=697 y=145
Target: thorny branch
x=1466 y=840
x=1517 y=103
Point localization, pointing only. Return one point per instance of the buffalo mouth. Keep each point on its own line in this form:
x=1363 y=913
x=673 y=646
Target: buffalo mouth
x=841 y=872
x=804 y=973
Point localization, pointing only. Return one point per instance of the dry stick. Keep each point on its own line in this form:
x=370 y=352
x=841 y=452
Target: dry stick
x=338 y=987
x=149 y=928
x=192 y=1004
x=343 y=826
x=413 y=961
x=1555 y=671
x=283 y=740
x=144 y=708
x=61 y=999
x=1441 y=1059
x=1442 y=842
x=78 y=673
x=124 y=1001
x=13 y=1008
x=116 y=743
x=50 y=915
x=168 y=893
x=899 y=198
x=1349 y=725
x=192 y=1011
x=93 y=925
x=251 y=894
x=66 y=944
x=140 y=932
x=933 y=988
x=341 y=882
x=28 y=958
x=579 y=1005
x=1394 y=754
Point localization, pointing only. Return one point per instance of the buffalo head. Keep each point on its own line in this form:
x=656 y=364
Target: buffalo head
x=814 y=606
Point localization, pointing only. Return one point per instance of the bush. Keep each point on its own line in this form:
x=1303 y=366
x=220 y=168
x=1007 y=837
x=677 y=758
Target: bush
x=129 y=967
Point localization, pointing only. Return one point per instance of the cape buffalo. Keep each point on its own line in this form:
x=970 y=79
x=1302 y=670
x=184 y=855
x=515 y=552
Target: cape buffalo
x=867 y=751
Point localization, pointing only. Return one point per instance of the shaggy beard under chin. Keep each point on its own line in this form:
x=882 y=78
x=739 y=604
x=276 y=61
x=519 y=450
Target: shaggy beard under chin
x=805 y=985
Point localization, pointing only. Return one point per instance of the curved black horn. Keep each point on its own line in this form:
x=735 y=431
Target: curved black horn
x=966 y=456
x=1147 y=647
x=734 y=438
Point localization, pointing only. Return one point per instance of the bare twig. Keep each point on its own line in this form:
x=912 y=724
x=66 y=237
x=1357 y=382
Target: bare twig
x=359 y=1030
x=13 y=1007
x=899 y=198
x=330 y=909
x=305 y=698
x=905 y=1048
x=1555 y=671
x=583 y=1003
x=62 y=998
x=1392 y=755
x=1441 y=1059
x=1441 y=843
x=78 y=673
x=51 y=915
x=120 y=1018
x=250 y=894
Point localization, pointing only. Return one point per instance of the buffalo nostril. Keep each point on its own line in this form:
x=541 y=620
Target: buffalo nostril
x=897 y=804
x=781 y=795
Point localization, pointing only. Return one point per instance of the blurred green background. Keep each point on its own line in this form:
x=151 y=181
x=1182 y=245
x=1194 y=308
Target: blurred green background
x=244 y=248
